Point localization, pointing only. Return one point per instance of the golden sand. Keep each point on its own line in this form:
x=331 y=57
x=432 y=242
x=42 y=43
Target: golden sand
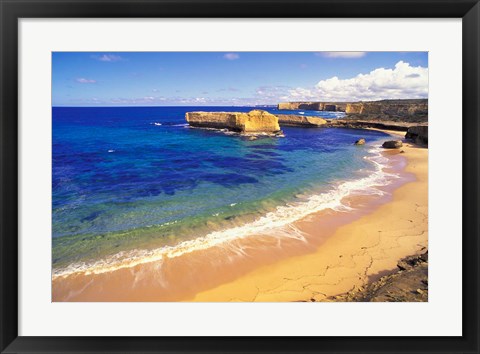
x=355 y=254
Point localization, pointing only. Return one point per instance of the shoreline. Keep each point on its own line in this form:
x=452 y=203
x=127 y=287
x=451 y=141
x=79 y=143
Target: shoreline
x=357 y=253
x=153 y=281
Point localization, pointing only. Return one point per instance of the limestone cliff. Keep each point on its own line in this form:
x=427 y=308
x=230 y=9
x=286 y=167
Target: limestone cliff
x=313 y=106
x=296 y=120
x=389 y=107
x=412 y=110
x=255 y=121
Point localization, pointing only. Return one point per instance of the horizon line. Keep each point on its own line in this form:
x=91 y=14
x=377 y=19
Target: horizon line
x=253 y=105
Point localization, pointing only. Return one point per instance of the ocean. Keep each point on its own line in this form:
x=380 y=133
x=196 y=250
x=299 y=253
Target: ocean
x=133 y=184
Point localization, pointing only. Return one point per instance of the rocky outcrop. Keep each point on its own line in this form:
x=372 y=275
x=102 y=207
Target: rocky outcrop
x=392 y=144
x=303 y=121
x=419 y=134
x=314 y=106
x=409 y=283
x=360 y=142
x=255 y=121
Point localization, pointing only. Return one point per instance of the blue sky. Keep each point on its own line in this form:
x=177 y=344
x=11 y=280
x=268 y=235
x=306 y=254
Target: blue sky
x=234 y=78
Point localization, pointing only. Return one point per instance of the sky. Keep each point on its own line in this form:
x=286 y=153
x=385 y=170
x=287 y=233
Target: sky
x=234 y=78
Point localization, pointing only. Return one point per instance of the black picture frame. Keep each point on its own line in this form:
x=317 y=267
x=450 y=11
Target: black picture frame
x=13 y=10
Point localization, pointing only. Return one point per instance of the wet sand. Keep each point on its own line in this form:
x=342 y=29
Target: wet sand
x=340 y=250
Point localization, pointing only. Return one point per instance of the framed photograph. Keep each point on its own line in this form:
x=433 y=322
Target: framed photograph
x=218 y=176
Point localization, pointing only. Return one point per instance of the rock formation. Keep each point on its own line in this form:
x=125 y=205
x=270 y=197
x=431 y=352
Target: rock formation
x=258 y=121
x=314 y=106
x=409 y=283
x=360 y=142
x=392 y=144
x=255 y=121
x=419 y=134
x=296 y=120
x=389 y=107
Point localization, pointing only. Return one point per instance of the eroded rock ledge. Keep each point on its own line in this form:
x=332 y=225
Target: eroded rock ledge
x=255 y=121
x=409 y=283
x=417 y=132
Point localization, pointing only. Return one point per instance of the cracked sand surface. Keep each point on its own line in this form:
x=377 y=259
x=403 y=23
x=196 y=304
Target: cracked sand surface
x=356 y=253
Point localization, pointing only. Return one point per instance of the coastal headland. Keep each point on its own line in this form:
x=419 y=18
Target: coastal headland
x=409 y=116
x=406 y=108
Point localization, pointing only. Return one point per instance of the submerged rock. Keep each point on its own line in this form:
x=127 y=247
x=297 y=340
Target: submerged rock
x=392 y=144
x=360 y=142
x=256 y=121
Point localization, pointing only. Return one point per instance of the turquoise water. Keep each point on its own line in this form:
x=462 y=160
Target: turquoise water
x=128 y=181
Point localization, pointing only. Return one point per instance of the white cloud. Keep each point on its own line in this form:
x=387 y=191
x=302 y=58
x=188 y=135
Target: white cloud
x=345 y=55
x=82 y=80
x=403 y=81
x=108 y=57
x=231 y=56
x=271 y=94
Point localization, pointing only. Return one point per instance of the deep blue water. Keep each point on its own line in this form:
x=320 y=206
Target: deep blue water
x=138 y=177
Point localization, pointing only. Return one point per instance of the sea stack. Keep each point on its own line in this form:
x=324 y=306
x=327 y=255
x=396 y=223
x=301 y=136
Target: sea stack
x=256 y=121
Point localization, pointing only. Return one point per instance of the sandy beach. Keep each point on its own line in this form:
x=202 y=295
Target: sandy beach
x=343 y=251
x=357 y=253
